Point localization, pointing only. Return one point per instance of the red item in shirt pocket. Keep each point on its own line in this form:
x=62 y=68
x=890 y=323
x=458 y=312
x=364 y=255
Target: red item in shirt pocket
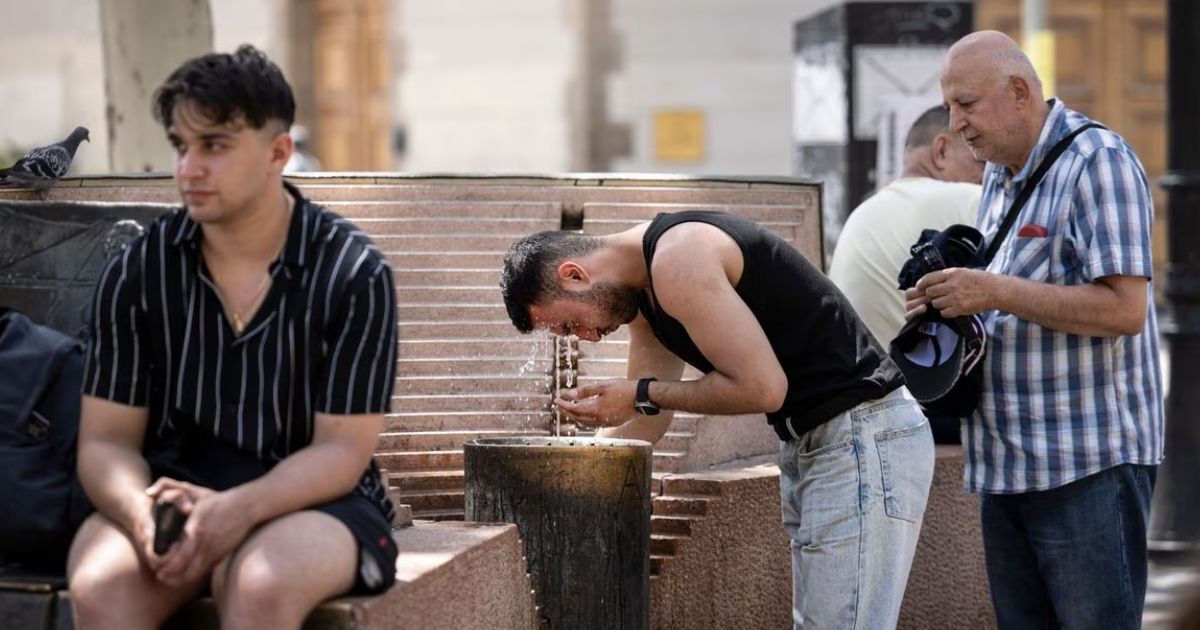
x=1033 y=230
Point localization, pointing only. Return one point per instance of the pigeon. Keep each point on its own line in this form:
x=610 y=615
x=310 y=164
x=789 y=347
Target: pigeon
x=42 y=167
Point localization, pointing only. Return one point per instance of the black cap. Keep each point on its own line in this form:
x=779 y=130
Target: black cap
x=934 y=353
x=956 y=246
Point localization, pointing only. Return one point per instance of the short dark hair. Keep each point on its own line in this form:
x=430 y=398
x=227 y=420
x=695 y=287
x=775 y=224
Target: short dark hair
x=530 y=271
x=225 y=86
x=927 y=126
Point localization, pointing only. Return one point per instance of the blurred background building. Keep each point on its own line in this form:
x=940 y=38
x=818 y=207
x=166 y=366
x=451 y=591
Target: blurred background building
x=680 y=86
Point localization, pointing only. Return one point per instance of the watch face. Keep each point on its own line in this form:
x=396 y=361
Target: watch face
x=646 y=408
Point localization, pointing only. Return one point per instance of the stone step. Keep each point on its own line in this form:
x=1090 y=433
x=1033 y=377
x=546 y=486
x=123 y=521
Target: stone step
x=426 y=480
x=683 y=426
x=473 y=241
x=443 y=440
x=479 y=329
x=413 y=311
x=480 y=383
x=449 y=294
x=379 y=201
x=667 y=461
x=446 y=276
x=646 y=211
x=607 y=349
x=440 y=515
x=404 y=514
x=666 y=544
x=467 y=420
x=684 y=422
x=402 y=461
x=686 y=486
x=681 y=505
x=505 y=402
x=609 y=367
x=467 y=366
x=437 y=500
x=657 y=562
x=451 y=225
x=407 y=259
x=673 y=525
x=448 y=348
x=403 y=510
x=674 y=441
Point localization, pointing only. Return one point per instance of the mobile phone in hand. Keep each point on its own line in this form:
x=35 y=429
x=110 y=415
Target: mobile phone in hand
x=168 y=525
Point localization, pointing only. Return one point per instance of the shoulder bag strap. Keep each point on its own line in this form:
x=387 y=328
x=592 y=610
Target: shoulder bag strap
x=1028 y=188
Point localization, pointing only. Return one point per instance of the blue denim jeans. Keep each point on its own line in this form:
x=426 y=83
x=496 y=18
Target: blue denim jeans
x=1073 y=556
x=853 y=492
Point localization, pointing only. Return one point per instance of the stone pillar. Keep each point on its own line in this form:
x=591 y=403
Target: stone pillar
x=144 y=41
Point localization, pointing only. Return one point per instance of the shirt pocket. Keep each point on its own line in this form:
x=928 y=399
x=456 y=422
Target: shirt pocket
x=1030 y=257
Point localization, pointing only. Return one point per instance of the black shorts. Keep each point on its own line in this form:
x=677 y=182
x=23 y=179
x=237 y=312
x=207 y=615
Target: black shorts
x=211 y=464
x=376 y=549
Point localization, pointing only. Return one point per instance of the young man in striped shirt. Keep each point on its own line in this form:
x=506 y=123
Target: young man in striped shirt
x=240 y=364
x=1068 y=434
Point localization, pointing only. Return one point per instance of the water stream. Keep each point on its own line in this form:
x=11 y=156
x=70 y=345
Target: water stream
x=566 y=374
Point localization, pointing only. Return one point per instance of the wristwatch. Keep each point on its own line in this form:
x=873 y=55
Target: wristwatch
x=642 y=403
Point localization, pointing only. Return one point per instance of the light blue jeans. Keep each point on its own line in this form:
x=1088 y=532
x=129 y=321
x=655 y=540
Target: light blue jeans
x=853 y=492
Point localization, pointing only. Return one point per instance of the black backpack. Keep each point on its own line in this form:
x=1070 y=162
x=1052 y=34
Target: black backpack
x=41 y=500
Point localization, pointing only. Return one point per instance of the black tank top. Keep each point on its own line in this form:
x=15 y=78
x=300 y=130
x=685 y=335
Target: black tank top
x=831 y=360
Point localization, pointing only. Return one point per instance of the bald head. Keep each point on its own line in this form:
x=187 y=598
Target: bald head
x=994 y=55
x=994 y=97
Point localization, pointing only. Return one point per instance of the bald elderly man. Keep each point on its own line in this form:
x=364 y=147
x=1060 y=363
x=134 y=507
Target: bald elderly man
x=1068 y=434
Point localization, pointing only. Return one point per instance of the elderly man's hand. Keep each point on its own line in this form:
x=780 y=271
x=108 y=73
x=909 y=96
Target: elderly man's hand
x=953 y=292
x=606 y=404
x=915 y=303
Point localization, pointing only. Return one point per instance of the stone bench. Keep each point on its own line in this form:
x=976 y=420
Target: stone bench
x=448 y=575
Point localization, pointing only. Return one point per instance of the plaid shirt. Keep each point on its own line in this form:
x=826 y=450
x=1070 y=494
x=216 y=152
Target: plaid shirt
x=1057 y=407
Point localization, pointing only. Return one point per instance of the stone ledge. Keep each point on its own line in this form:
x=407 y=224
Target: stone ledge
x=448 y=575
x=739 y=553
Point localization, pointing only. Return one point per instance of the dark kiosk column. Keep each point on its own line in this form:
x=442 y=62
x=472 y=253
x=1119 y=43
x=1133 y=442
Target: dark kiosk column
x=1175 y=517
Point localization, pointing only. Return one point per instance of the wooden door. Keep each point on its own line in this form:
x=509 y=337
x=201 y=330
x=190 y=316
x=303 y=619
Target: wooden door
x=1110 y=64
x=351 y=81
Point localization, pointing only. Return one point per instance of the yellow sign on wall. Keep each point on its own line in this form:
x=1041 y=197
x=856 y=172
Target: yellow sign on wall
x=1041 y=55
x=679 y=135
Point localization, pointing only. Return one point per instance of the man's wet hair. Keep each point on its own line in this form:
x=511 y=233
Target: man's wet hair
x=226 y=87
x=927 y=126
x=530 y=274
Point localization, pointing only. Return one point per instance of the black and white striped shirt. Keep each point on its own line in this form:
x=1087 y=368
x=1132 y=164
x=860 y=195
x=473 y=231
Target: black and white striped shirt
x=323 y=339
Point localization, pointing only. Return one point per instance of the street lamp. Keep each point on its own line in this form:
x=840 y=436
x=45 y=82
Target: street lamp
x=1175 y=517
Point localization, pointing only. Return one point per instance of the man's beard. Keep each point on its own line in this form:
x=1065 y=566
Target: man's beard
x=617 y=301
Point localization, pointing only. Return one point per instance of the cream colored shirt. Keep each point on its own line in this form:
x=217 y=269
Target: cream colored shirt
x=875 y=241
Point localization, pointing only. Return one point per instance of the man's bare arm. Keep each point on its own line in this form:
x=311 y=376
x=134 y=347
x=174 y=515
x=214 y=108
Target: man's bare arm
x=1111 y=306
x=111 y=467
x=647 y=357
x=326 y=469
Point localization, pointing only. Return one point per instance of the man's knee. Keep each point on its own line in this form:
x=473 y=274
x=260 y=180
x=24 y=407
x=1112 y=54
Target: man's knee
x=285 y=569
x=103 y=569
x=110 y=587
x=254 y=593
